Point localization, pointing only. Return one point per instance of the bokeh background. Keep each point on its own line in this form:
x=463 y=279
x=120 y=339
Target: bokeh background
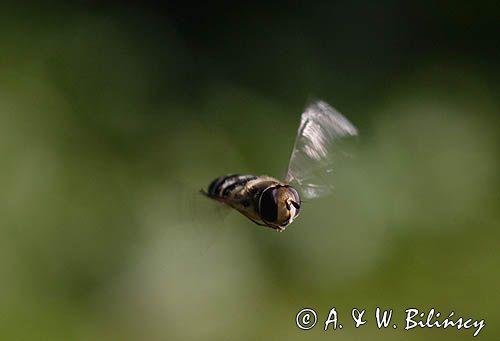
x=113 y=115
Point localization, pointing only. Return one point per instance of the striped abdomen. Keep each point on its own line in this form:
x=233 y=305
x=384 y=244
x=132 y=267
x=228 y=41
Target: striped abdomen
x=224 y=185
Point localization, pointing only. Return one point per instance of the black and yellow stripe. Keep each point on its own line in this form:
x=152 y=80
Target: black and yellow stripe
x=224 y=185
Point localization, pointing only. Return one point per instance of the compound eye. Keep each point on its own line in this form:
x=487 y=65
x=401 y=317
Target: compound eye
x=268 y=205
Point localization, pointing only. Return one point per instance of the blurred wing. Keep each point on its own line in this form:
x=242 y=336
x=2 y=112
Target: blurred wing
x=316 y=148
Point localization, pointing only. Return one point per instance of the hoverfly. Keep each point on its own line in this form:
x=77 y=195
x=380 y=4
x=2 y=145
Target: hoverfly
x=274 y=203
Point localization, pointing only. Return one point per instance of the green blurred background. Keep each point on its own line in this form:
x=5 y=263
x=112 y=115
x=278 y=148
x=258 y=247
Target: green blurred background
x=113 y=116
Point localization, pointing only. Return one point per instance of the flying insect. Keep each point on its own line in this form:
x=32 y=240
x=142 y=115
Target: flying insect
x=270 y=202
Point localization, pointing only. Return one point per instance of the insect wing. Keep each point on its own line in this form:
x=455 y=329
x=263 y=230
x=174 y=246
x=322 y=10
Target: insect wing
x=316 y=149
